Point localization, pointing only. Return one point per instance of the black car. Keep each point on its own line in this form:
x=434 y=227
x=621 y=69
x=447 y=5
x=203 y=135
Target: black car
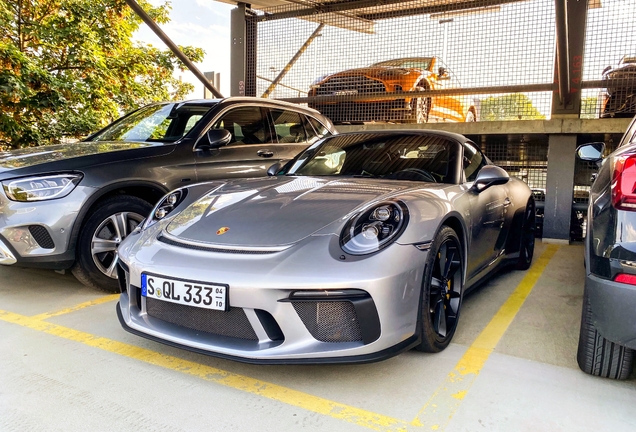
x=69 y=206
x=619 y=98
x=608 y=326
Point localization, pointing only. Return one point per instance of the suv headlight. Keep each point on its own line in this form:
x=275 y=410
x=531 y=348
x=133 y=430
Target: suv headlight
x=41 y=188
x=165 y=206
x=374 y=228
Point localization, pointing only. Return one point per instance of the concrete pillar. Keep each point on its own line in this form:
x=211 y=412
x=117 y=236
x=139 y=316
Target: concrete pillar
x=559 y=188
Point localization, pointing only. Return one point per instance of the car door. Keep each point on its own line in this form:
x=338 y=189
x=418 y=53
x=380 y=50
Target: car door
x=252 y=149
x=293 y=132
x=488 y=209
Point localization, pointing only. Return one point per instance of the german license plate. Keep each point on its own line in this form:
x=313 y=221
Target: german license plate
x=192 y=293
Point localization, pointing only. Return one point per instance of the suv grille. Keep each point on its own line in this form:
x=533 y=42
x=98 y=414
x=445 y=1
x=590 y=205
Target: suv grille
x=233 y=323
x=333 y=321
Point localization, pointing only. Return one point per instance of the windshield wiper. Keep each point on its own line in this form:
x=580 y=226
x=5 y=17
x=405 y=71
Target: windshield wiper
x=367 y=175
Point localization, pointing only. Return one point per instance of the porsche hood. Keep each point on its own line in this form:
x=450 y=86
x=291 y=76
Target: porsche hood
x=275 y=211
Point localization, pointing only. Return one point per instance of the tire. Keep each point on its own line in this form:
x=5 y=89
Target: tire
x=598 y=356
x=442 y=292
x=526 y=246
x=108 y=224
x=419 y=114
x=470 y=117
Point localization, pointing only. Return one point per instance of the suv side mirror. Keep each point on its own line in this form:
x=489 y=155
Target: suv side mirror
x=214 y=138
x=592 y=152
x=279 y=166
x=490 y=175
x=274 y=169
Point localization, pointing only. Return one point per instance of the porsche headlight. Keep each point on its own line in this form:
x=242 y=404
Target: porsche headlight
x=374 y=228
x=41 y=188
x=165 y=206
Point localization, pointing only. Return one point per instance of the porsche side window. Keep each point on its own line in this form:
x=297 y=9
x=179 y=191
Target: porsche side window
x=247 y=125
x=289 y=126
x=473 y=161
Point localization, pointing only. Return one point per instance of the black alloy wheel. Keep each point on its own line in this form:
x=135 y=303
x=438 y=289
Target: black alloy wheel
x=442 y=292
x=526 y=247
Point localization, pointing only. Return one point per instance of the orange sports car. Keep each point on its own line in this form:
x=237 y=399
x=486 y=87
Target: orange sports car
x=399 y=75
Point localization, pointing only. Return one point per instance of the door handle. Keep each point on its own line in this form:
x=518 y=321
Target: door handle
x=265 y=153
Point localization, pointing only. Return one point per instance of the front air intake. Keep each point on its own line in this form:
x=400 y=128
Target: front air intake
x=41 y=236
x=233 y=323
x=330 y=321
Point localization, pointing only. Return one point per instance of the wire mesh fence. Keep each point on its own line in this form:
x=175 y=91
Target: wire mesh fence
x=436 y=60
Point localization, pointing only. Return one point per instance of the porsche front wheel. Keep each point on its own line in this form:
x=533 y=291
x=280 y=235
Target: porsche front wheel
x=442 y=291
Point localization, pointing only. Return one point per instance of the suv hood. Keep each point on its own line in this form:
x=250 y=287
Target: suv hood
x=277 y=211
x=32 y=156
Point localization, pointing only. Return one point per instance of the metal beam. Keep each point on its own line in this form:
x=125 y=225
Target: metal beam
x=571 y=19
x=439 y=8
x=238 y=50
x=174 y=48
x=562 y=54
x=521 y=88
x=293 y=60
x=336 y=6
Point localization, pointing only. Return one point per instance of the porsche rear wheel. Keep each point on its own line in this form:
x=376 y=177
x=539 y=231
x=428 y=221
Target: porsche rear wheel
x=442 y=292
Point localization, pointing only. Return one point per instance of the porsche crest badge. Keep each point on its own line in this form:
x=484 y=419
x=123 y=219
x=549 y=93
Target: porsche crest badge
x=222 y=230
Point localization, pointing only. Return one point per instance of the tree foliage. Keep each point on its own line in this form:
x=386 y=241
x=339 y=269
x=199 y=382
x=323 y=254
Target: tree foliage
x=514 y=106
x=69 y=67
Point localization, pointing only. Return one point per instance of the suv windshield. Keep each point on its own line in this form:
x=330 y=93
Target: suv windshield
x=162 y=122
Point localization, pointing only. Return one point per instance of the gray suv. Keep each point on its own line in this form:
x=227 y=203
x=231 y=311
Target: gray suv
x=607 y=340
x=69 y=206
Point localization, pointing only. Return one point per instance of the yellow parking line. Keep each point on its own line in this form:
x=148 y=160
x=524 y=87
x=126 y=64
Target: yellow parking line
x=441 y=407
x=98 y=301
x=265 y=389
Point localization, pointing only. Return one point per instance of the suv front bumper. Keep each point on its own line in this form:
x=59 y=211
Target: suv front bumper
x=40 y=233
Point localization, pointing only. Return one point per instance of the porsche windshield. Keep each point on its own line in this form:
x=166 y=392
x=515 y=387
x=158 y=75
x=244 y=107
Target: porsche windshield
x=403 y=157
x=162 y=122
x=417 y=62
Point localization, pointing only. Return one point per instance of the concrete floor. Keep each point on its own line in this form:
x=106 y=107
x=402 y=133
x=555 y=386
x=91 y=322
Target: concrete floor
x=67 y=365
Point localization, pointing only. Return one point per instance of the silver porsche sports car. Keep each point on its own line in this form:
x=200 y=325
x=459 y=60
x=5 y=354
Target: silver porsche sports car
x=361 y=247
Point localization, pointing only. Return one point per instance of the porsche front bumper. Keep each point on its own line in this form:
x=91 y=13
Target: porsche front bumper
x=310 y=303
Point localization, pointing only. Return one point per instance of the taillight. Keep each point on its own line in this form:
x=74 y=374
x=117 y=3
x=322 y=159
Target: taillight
x=625 y=278
x=624 y=182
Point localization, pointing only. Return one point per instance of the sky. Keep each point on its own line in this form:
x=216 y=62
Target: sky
x=200 y=23
x=515 y=45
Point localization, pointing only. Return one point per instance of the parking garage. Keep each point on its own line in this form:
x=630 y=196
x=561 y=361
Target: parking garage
x=527 y=81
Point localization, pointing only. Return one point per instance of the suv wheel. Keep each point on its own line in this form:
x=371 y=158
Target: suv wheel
x=105 y=228
x=598 y=356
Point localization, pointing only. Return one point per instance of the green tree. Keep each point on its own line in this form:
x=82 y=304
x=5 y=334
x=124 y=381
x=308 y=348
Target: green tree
x=514 y=106
x=69 y=67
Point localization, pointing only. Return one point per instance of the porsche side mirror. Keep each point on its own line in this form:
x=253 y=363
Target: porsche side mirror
x=214 y=138
x=490 y=175
x=592 y=152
